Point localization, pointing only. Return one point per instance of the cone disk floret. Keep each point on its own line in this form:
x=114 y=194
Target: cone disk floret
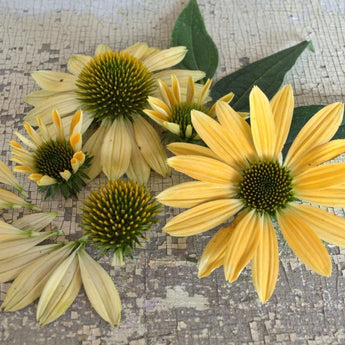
x=266 y=187
x=117 y=215
x=114 y=84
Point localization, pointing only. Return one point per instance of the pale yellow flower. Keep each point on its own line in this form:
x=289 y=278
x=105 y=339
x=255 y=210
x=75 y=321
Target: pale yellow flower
x=52 y=160
x=242 y=174
x=172 y=110
x=112 y=89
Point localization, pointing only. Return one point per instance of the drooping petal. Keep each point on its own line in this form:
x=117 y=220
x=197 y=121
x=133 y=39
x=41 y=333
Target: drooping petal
x=191 y=149
x=100 y=289
x=262 y=124
x=327 y=226
x=35 y=221
x=317 y=131
x=190 y=194
x=282 y=105
x=204 y=169
x=55 y=81
x=76 y=63
x=265 y=262
x=203 y=217
x=243 y=244
x=7 y=177
x=304 y=242
x=150 y=146
x=11 y=200
x=116 y=150
x=217 y=139
x=320 y=177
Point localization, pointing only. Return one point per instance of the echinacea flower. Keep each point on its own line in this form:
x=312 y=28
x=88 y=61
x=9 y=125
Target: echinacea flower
x=118 y=215
x=112 y=89
x=241 y=174
x=54 y=162
x=172 y=109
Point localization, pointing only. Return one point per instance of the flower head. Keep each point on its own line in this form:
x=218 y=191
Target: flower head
x=241 y=175
x=117 y=216
x=54 y=162
x=112 y=89
x=173 y=109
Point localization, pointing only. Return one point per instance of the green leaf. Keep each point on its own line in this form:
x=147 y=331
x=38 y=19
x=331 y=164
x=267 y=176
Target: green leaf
x=267 y=73
x=301 y=116
x=190 y=31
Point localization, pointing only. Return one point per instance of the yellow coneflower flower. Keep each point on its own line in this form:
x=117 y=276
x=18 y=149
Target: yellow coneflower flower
x=241 y=174
x=54 y=162
x=112 y=89
x=173 y=109
x=117 y=215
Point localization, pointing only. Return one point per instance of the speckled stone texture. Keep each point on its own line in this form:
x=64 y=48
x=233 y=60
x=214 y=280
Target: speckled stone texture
x=164 y=302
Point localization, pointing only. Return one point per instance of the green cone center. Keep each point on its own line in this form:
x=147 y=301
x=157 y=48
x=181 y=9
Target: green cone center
x=181 y=115
x=114 y=84
x=54 y=157
x=266 y=187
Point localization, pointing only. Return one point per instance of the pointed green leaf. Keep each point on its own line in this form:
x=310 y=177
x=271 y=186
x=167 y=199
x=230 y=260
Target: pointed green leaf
x=190 y=31
x=267 y=73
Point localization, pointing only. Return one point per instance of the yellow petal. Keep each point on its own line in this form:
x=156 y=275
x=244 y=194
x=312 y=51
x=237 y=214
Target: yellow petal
x=150 y=146
x=327 y=226
x=155 y=116
x=43 y=129
x=190 y=194
x=76 y=122
x=66 y=175
x=304 y=242
x=262 y=124
x=165 y=58
x=265 y=262
x=217 y=139
x=80 y=157
x=191 y=149
x=76 y=63
x=60 y=135
x=60 y=290
x=26 y=141
x=35 y=177
x=175 y=86
x=319 y=177
x=227 y=99
x=190 y=90
x=203 y=217
x=160 y=107
x=204 y=169
x=102 y=48
x=100 y=289
x=138 y=50
x=282 y=105
x=55 y=81
x=182 y=75
x=242 y=244
x=319 y=155
x=33 y=134
x=46 y=181
x=205 y=92
x=76 y=142
x=317 y=131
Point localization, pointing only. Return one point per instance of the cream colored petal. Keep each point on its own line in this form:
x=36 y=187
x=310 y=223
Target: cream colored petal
x=55 y=81
x=116 y=150
x=265 y=264
x=317 y=131
x=330 y=197
x=76 y=63
x=35 y=221
x=65 y=103
x=172 y=127
x=138 y=170
x=304 y=242
x=29 y=284
x=11 y=200
x=11 y=267
x=190 y=194
x=166 y=94
x=191 y=149
x=66 y=174
x=150 y=146
x=33 y=134
x=9 y=232
x=46 y=181
x=262 y=125
x=181 y=74
x=204 y=169
x=100 y=289
x=282 y=105
x=7 y=177
x=243 y=244
x=138 y=50
x=28 y=161
x=320 y=154
x=155 y=116
x=165 y=58
x=237 y=128
x=319 y=177
x=36 y=98
x=203 y=217
x=93 y=149
x=26 y=141
x=217 y=139
x=102 y=48
x=160 y=107
x=327 y=226
x=60 y=291
x=43 y=129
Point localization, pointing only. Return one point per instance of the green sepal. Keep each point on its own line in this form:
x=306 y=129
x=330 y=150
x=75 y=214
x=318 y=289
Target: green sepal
x=268 y=74
x=190 y=31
